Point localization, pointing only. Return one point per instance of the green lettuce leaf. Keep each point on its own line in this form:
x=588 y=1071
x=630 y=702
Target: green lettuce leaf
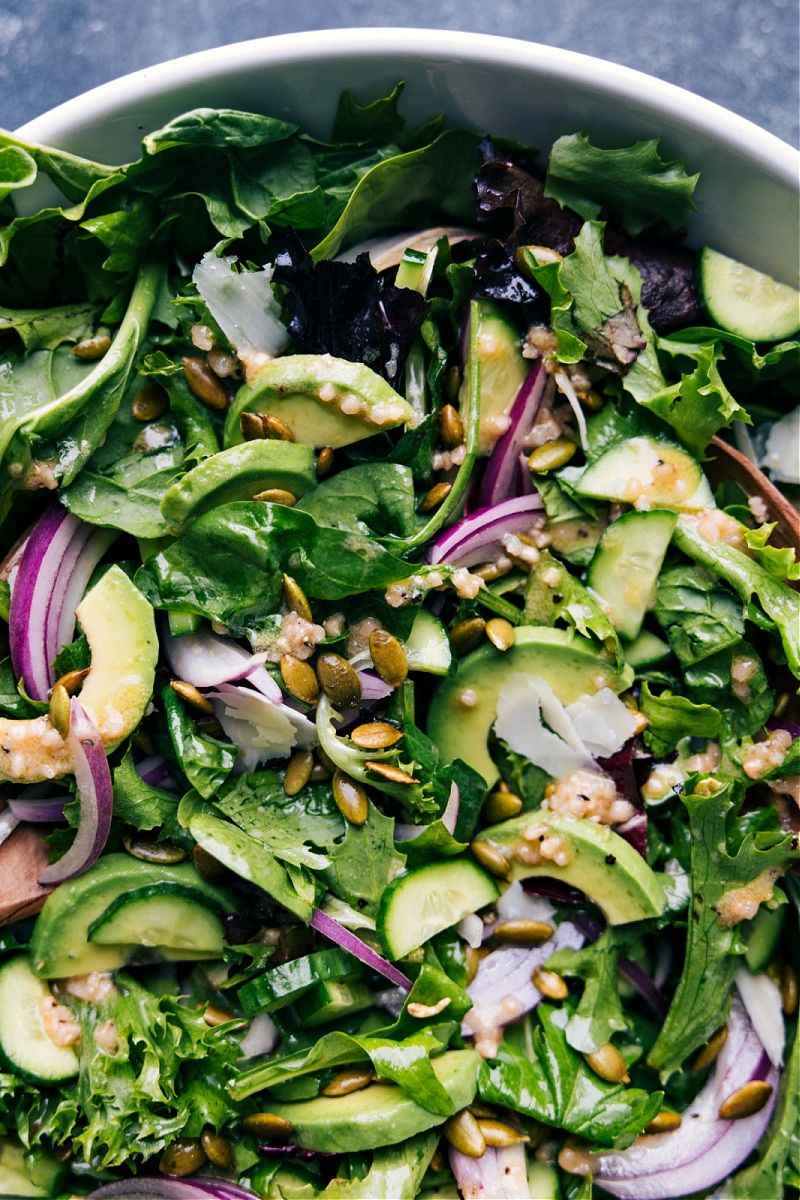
x=632 y=183
x=364 y=862
x=140 y=805
x=598 y=1015
x=205 y=761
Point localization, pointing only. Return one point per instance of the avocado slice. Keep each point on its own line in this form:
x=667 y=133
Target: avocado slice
x=502 y=372
x=238 y=473
x=61 y=944
x=120 y=628
x=325 y=401
x=568 y=662
x=600 y=862
x=381 y=1114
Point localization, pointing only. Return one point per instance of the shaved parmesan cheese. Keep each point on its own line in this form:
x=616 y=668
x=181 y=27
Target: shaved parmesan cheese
x=243 y=304
x=762 y=998
x=602 y=722
x=262 y=730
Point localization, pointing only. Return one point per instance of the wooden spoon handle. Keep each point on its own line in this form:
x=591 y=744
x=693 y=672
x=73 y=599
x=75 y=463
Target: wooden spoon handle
x=23 y=856
x=730 y=464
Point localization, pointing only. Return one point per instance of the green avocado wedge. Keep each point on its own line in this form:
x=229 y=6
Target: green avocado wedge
x=597 y=861
x=61 y=944
x=238 y=473
x=569 y=663
x=325 y=401
x=381 y=1114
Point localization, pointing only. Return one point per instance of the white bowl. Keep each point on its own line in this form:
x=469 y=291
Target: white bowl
x=748 y=190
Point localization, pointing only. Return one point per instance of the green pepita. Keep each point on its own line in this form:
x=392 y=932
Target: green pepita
x=182 y=1157
x=434 y=497
x=277 y=496
x=746 y=1100
x=149 y=850
x=464 y=1134
x=204 y=383
x=451 y=427
x=325 y=460
x=60 y=709
x=551 y=455
x=522 y=932
x=664 y=1122
x=218 y=1149
x=338 y=680
x=295 y=598
x=150 y=402
x=252 y=426
x=298 y=771
x=491 y=859
x=500 y=806
x=193 y=696
x=550 y=984
x=93 y=348
x=607 y=1062
x=350 y=798
x=268 y=1127
x=388 y=657
x=375 y=735
x=706 y=1054
x=351 y=1079
x=300 y=679
x=500 y=1133
x=467 y=634
x=500 y=633
x=277 y=428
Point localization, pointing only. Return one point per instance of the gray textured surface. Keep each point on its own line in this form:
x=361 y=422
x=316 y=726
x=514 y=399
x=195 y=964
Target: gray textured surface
x=742 y=54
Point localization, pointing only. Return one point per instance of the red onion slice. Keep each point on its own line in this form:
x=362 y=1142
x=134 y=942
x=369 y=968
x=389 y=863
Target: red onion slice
x=155 y=771
x=705 y=1149
x=499 y=1174
x=501 y=477
x=373 y=687
x=95 y=792
x=206 y=660
x=478 y=537
x=36 y=804
x=85 y=551
x=353 y=945
x=161 y=1187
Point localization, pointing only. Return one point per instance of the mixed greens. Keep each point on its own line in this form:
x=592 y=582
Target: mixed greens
x=400 y=682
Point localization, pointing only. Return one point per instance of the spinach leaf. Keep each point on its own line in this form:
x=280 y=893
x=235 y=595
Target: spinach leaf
x=700 y=1004
x=372 y=498
x=699 y=615
x=632 y=183
x=364 y=862
x=745 y=706
x=289 y=825
x=12 y=702
x=566 y=602
x=673 y=717
x=536 y=1072
x=48 y=328
x=205 y=761
x=598 y=1015
x=140 y=805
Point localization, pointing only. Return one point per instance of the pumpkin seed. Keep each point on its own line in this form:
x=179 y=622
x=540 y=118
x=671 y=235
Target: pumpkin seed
x=664 y=1122
x=182 y=1157
x=746 y=1100
x=496 y=570
x=150 y=402
x=788 y=989
x=268 y=1127
x=479 y=1109
x=90 y=349
x=350 y=798
x=204 y=383
x=467 y=634
x=451 y=427
x=60 y=709
x=193 y=696
x=434 y=497
x=388 y=657
x=252 y=426
x=500 y=1133
x=452 y=382
x=351 y=1079
x=298 y=771
x=591 y=400
x=151 y=851
x=375 y=735
x=277 y=496
x=464 y=1134
x=325 y=460
x=607 y=1062
x=215 y=1014
x=277 y=428
x=390 y=773
x=500 y=806
x=500 y=633
x=706 y=1054
x=72 y=681
x=218 y=1149
x=522 y=932
x=551 y=455
x=338 y=680
x=300 y=679
x=211 y=869
x=491 y=859
x=550 y=984
x=295 y=598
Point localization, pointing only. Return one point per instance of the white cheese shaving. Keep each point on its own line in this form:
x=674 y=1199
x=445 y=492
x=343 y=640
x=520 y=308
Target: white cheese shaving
x=242 y=303
x=602 y=722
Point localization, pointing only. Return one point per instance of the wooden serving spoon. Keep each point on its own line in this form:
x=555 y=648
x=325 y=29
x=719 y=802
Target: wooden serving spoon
x=23 y=856
x=731 y=464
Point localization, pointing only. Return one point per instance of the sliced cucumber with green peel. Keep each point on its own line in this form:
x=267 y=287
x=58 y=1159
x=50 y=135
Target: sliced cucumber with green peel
x=172 y=915
x=625 y=566
x=24 y=1043
x=745 y=301
x=428 y=646
x=281 y=985
x=332 y=999
x=648 y=471
x=647 y=650
x=429 y=899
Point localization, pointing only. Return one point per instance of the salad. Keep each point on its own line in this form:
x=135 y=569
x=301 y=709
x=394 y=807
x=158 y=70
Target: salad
x=398 y=754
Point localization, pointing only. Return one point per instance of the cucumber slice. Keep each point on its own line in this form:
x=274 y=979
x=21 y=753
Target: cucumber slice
x=646 y=651
x=24 y=1043
x=329 y=1000
x=745 y=301
x=281 y=985
x=648 y=471
x=428 y=646
x=625 y=566
x=429 y=899
x=171 y=915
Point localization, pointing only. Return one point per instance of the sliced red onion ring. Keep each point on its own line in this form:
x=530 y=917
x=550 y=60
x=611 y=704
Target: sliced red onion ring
x=38 y=805
x=499 y=1174
x=705 y=1149
x=95 y=792
x=206 y=660
x=501 y=477
x=154 y=770
x=85 y=551
x=502 y=990
x=373 y=687
x=478 y=537
x=164 y=1187
x=353 y=945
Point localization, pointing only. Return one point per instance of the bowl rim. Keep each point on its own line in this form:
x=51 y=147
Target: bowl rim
x=682 y=106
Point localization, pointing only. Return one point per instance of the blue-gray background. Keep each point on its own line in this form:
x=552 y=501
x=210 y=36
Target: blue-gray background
x=742 y=54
